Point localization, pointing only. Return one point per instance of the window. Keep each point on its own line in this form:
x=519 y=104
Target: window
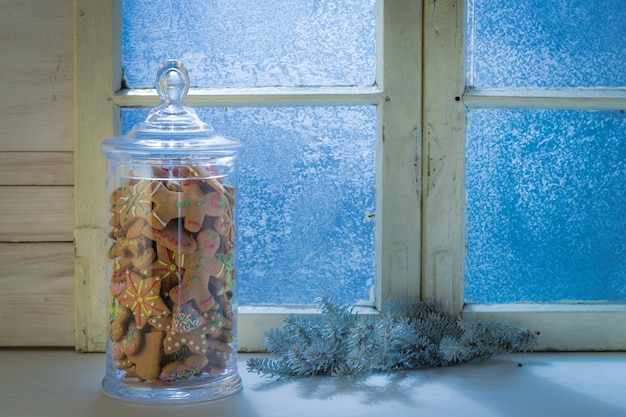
x=545 y=186
x=532 y=160
x=370 y=94
x=428 y=101
x=308 y=176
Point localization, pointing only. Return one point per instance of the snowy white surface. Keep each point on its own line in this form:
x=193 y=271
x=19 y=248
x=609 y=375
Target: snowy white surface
x=65 y=383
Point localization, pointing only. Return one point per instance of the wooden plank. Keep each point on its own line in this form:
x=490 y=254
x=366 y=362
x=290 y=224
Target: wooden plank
x=29 y=8
x=564 y=327
x=36 y=214
x=37 y=73
x=36 y=168
x=547 y=98
x=37 y=297
x=258 y=96
x=443 y=169
x=398 y=153
x=98 y=74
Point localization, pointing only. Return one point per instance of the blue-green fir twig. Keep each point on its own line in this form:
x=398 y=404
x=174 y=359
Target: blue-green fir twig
x=408 y=334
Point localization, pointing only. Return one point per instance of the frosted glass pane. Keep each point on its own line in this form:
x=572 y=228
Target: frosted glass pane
x=251 y=43
x=306 y=185
x=546 y=208
x=546 y=43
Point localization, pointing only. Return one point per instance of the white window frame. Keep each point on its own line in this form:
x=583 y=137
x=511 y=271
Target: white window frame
x=562 y=326
x=396 y=94
x=421 y=203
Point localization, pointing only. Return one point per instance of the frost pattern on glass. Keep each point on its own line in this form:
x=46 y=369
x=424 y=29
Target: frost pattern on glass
x=306 y=186
x=540 y=43
x=546 y=206
x=251 y=43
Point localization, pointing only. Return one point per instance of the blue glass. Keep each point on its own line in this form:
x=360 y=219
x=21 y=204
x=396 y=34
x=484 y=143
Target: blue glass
x=546 y=43
x=306 y=185
x=251 y=43
x=546 y=194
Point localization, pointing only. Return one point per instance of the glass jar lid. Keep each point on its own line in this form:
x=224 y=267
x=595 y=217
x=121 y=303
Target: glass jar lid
x=172 y=129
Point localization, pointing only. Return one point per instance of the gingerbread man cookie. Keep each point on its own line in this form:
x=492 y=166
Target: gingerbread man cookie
x=203 y=261
x=191 y=204
x=196 y=290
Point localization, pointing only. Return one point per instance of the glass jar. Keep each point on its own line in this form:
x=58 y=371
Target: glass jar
x=172 y=311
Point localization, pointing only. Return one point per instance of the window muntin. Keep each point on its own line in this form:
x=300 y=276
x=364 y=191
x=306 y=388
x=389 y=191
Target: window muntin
x=546 y=197
x=251 y=43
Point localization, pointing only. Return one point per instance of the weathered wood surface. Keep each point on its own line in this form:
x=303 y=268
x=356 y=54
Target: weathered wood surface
x=36 y=214
x=40 y=168
x=37 y=297
x=37 y=173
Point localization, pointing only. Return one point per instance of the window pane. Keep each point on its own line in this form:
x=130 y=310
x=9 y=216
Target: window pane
x=251 y=43
x=546 y=206
x=306 y=186
x=539 y=43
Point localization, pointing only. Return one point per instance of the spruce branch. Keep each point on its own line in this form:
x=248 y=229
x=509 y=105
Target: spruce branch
x=408 y=334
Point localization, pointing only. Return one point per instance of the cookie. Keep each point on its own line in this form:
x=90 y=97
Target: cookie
x=194 y=287
x=218 y=353
x=118 y=319
x=199 y=267
x=130 y=202
x=186 y=318
x=129 y=344
x=183 y=369
x=147 y=360
x=194 y=340
x=196 y=290
x=171 y=315
x=191 y=204
x=229 y=272
x=224 y=225
x=165 y=266
x=203 y=259
x=143 y=297
x=120 y=269
x=172 y=237
x=161 y=323
x=215 y=323
x=226 y=336
x=209 y=176
x=137 y=252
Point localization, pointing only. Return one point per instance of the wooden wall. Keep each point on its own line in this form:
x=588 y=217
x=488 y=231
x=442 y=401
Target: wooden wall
x=36 y=173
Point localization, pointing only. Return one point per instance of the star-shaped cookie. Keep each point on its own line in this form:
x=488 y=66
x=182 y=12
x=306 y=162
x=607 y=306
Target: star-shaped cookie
x=142 y=297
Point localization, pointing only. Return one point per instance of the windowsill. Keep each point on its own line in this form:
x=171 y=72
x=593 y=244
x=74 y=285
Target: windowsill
x=63 y=383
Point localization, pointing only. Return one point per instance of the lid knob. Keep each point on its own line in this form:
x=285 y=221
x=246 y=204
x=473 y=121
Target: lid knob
x=172 y=83
x=172 y=115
